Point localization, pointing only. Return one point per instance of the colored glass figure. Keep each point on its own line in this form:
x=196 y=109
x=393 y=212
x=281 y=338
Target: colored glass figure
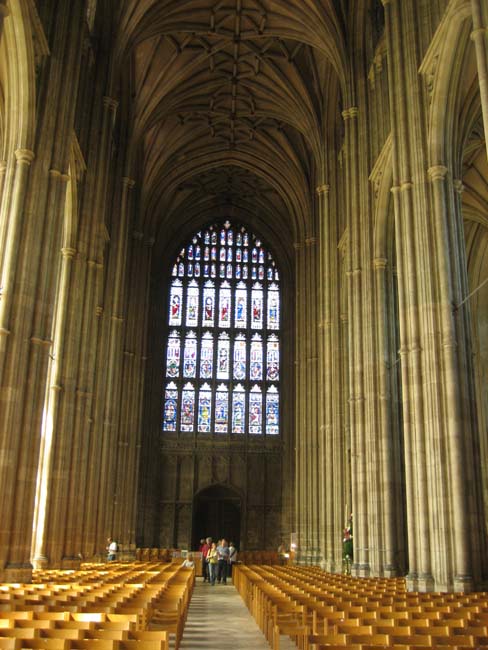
x=245 y=239
x=175 y=271
x=198 y=252
x=240 y=359
x=222 y=255
x=261 y=272
x=214 y=238
x=222 y=237
x=187 y=408
x=261 y=256
x=257 y=309
x=190 y=357
x=214 y=253
x=245 y=256
x=254 y=255
x=206 y=238
x=222 y=271
x=173 y=356
x=189 y=270
x=213 y=270
x=175 y=304
x=170 y=407
x=208 y=315
x=238 y=272
x=239 y=239
x=273 y=359
x=256 y=363
x=238 y=255
x=206 y=253
x=229 y=272
x=238 y=410
x=241 y=306
x=270 y=274
x=206 y=270
x=272 y=411
x=273 y=310
x=204 y=409
x=197 y=269
x=223 y=359
x=229 y=254
x=190 y=252
x=221 y=410
x=192 y=304
x=206 y=357
x=230 y=238
x=255 y=411
x=277 y=276
x=245 y=272
x=254 y=273
x=181 y=269
x=224 y=306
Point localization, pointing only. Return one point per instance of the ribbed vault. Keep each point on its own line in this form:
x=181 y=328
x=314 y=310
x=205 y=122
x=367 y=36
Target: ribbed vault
x=229 y=108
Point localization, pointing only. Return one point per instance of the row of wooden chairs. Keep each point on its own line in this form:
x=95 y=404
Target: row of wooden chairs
x=129 y=606
x=245 y=557
x=319 y=610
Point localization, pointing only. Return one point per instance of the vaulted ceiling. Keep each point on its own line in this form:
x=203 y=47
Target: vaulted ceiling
x=229 y=102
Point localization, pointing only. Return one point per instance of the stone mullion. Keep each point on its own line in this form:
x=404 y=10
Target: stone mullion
x=3 y=174
x=388 y=469
x=463 y=578
x=420 y=575
x=114 y=449
x=301 y=446
x=480 y=38
x=312 y=398
x=91 y=319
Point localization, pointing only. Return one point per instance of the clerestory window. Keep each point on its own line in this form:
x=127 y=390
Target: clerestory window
x=222 y=362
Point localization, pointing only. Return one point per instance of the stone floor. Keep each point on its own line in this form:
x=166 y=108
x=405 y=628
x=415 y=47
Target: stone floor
x=218 y=619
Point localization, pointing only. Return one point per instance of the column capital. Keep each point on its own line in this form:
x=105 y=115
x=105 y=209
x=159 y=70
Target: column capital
x=458 y=185
x=380 y=263
x=478 y=33
x=437 y=172
x=297 y=246
x=24 y=156
x=68 y=252
x=3 y=166
x=4 y=10
x=350 y=112
x=128 y=182
x=322 y=189
x=111 y=103
x=386 y=2
x=310 y=241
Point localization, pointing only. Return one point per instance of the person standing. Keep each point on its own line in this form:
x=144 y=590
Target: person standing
x=204 y=548
x=212 y=562
x=112 y=548
x=232 y=557
x=223 y=560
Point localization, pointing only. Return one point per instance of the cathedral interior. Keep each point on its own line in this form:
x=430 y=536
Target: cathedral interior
x=244 y=281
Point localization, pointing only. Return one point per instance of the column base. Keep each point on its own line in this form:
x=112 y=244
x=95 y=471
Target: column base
x=389 y=571
x=70 y=562
x=16 y=573
x=463 y=584
x=361 y=570
x=40 y=562
x=424 y=582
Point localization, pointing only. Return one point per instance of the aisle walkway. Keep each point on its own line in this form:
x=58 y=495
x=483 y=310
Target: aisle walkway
x=219 y=620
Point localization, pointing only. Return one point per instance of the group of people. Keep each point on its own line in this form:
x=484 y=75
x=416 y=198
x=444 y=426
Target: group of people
x=218 y=559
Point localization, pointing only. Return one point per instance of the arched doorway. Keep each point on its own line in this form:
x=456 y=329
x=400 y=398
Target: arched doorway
x=217 y=513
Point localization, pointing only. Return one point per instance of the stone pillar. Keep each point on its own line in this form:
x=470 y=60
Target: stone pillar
x=4 y=12
x=3 y=172
x=455 y=433
x=480 y=38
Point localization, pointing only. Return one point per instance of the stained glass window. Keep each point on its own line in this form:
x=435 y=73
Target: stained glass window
x=222 y=355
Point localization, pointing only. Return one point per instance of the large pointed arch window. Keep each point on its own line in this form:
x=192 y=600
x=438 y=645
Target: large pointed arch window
x=222 y=361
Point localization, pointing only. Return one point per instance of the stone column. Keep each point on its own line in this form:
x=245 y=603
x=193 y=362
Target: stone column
x=3 y=172
x=463 y=579
x=480 y=38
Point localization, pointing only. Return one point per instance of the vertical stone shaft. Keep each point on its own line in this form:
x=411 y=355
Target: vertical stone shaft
x=480 y=38
x=3 y=14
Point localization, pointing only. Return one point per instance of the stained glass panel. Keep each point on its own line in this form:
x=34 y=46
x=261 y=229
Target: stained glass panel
x=222 y=409
x=170 y=407
x=273 y=359
x=193 y=295
x=206 y=356
x=173 y=355
x=238 y=409
x=272 y=411
x=255 y=410
x=208 y=315
x=188 y=408
x=204 y=409
x=223 y=357
x=176 y=298
x=241 y=306
x=190 y=356
x=257 y=307
x=256 y=364
x=224 y=305
x=240 y=358
x=273 y=307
